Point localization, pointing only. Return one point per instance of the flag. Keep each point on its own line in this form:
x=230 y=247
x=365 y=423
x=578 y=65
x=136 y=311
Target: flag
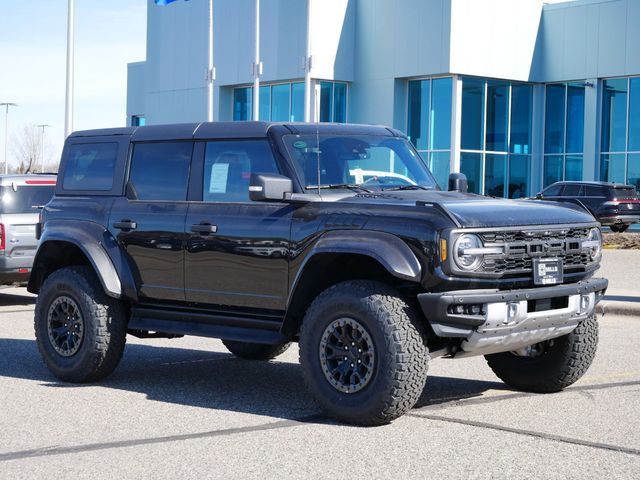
x=163 y=2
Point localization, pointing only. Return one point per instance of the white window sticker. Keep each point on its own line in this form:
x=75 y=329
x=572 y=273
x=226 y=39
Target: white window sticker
x=219 y=174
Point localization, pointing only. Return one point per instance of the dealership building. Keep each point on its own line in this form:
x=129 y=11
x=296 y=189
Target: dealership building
x=516 y=94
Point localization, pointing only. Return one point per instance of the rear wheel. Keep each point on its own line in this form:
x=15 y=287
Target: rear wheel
x=619 y=228
x=255 y=351
x=363 y=353
x=549 y=366
x=80 y=331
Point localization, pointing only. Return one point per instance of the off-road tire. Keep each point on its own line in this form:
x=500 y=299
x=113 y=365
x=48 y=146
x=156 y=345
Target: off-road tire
x=105 y=326
x=566 y=360
x=398 y=336
x=619 y=228
x=255 y=351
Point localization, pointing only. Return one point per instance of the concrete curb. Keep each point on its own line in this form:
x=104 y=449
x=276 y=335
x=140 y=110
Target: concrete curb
x=613 y=307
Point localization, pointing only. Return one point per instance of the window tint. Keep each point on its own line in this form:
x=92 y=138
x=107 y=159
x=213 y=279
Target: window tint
x=90 y=166
x=25 y=198
x=594 y=191
x=160 y=171
x=572 y=190
x=228 y=166
x=552 y=191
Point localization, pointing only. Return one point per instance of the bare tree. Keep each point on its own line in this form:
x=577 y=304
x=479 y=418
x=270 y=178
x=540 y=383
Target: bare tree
x=26 y=146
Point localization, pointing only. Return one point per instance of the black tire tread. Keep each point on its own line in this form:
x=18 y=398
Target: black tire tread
x=573 y=356
x=406 y=347
x=107 y=314
x=256 y=351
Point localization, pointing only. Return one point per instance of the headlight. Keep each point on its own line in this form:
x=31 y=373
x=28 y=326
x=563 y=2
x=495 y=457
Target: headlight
x=466 y=252
x=593 y=244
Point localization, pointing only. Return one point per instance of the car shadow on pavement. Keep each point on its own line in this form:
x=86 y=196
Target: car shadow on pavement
x=10 y=299
x=213 y=380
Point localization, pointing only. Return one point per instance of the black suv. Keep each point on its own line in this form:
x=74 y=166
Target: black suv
x=613 y=204
x=333 y=236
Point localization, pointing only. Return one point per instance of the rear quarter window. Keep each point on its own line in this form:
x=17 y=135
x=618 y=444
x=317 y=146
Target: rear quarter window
x=90 y=166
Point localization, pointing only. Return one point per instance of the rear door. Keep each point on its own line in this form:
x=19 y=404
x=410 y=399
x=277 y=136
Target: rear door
x=237 y=250
x=20 y=205
x=149 y=221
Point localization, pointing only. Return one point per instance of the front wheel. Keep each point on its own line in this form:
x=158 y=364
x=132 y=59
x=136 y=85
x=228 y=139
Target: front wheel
x=549 y=366
x=619 y=228
x=363 y=353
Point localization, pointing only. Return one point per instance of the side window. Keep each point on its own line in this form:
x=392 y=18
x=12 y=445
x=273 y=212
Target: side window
x=90 y=166
x=572 y=190
x=228 y=166
x=593 y=191
x=552 y=191
x=160 y=171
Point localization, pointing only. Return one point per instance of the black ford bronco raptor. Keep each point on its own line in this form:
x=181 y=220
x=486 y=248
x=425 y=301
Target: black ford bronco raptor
x=333 y=236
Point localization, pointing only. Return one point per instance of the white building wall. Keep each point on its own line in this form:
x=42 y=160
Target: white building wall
x=136 y=85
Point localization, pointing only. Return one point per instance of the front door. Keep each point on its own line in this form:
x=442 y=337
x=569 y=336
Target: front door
x=237 y=250
x=149 y=222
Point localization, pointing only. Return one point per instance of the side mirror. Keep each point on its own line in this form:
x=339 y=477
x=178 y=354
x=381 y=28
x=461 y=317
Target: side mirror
x=539 y=195
x=269 y=186
x=458 y=183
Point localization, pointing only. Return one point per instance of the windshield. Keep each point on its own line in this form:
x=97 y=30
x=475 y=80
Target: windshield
x=624 y=192
x=25 y=199
x=370 y=162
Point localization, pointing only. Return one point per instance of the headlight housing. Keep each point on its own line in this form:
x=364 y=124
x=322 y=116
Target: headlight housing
x=466 y=252
x=593 y=244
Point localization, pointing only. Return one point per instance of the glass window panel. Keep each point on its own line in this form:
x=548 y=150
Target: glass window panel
x=572 y=190
x=228 y=166
x=280 y=103
x=575 y=118
x=553 y=191
x=440 y=114
x=519 y=172
x=471 y=166
x=634 y=114
x=573 y=167
x=265 y=103
x=553 y=169
x=439 y=163
x=614 y=115
x=418 y=121
x=612 y=168
x=297 y=102
x=634 y=170
x=326 y=101
x=497 y=116
x=495 y=172
x=242 y=103
x=90 y=166
x=554 y=119
x=472 y=127
x=339 y=102
x=521 y=98
x=160 y=170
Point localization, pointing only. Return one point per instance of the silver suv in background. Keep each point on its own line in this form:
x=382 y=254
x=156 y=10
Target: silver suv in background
x=21 y=197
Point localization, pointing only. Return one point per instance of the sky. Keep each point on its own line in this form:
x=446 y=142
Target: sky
x=33 y=36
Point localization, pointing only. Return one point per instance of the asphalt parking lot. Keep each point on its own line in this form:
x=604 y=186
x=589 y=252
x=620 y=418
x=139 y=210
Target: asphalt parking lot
x=185 y=408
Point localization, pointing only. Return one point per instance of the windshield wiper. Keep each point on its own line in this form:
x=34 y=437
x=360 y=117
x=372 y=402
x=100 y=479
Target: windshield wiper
x=408 y=187
x=349 y=186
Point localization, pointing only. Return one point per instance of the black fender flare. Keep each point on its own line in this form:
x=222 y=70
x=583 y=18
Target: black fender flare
x=101 y=249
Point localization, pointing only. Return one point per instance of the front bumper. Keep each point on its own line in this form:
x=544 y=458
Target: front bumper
x=492 y=321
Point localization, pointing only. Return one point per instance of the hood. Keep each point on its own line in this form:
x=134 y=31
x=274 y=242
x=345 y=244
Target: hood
x=477 y=211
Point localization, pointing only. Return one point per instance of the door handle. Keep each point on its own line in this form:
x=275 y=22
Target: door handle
x=125 y=225
x=204 y=228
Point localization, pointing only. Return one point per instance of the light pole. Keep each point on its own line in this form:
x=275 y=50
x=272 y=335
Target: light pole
x=43 y=126
x=68 y=105
x=211 y=70
x=6 y=132
x=257 y=67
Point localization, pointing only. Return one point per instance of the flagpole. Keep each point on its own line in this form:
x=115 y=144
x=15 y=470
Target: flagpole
x=307 y=68
x=68 y=107
x=257 y=68
x=211 y=75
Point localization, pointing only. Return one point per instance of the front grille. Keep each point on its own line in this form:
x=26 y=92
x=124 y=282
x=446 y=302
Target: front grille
x=521 y=246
